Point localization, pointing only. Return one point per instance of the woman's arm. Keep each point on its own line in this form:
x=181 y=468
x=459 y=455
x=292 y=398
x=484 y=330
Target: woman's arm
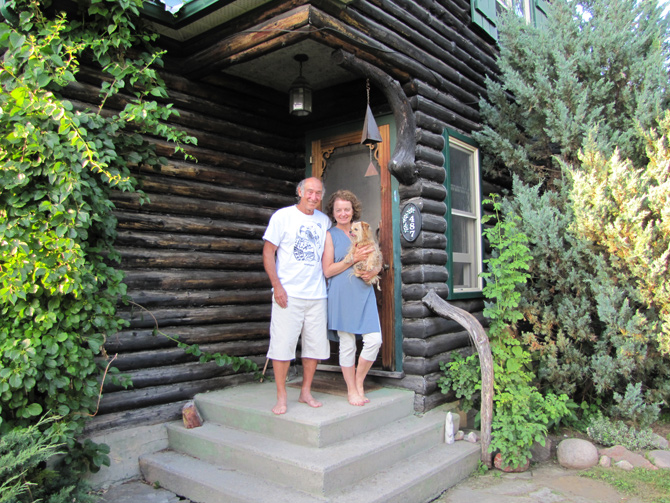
x=332 y=268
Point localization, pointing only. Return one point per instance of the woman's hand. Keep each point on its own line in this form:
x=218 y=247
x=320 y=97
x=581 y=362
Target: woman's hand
x=362 y=253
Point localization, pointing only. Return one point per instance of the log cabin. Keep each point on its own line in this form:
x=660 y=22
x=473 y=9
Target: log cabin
x=235 y=71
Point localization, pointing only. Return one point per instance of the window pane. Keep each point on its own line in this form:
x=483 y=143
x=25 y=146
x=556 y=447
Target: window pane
x=461 y=234
x=461 y=179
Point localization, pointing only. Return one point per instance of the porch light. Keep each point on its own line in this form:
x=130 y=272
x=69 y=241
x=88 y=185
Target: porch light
x=300 y=92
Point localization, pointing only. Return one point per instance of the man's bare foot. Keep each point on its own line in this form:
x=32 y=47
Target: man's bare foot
x=309 y=400
x=356 y=399
x=280 y=407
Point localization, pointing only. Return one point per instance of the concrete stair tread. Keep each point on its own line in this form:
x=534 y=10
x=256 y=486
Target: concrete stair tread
x=248 y=407
x=398 y=432
x=205 y=483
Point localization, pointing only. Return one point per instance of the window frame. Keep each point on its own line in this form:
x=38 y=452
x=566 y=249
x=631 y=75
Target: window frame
x=465 y=143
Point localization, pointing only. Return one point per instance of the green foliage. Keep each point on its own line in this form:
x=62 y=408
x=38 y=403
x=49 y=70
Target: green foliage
x=58 y=287
x=28 y=472
x=522 y=415
x=572 y=114
x=608 y=432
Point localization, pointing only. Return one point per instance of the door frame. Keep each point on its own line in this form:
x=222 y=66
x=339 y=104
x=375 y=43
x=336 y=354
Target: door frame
x=319 y=146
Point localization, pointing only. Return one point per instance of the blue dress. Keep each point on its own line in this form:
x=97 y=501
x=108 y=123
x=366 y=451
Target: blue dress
x=352 y=306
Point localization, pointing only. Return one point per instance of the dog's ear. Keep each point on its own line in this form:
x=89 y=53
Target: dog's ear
x=366 y=226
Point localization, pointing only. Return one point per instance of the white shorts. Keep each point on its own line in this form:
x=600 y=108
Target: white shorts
x=302 y=317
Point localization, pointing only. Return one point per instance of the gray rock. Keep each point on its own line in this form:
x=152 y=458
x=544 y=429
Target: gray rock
x=577 y=454
x=660 y=442
x=624 y=465
x=471 y=437
x=620 y=453
x=459 y=435
x=661 y=459
x=540 y=453
x=605 y=461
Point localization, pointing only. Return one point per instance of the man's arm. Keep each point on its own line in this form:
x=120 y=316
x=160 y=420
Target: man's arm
x=270 y=266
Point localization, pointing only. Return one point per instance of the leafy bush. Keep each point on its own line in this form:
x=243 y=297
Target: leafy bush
x=591 y=192
x=607 y=432
x=522 y=415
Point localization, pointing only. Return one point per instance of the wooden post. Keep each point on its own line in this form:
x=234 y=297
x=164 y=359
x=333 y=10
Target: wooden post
x=481 y=342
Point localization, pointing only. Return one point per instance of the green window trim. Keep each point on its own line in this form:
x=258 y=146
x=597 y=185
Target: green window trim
x=484 y=14
x=458 y=139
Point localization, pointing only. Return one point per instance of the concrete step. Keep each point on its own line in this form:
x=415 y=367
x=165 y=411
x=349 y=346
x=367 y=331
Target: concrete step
x=316 y=470
x=417 y=479
x=202 y=482
x=248 y=407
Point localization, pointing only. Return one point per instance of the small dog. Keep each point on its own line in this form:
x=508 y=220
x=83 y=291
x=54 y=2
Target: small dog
x=361 y=237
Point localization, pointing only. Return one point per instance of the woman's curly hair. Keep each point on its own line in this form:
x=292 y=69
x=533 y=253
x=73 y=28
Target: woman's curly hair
x=344 y=195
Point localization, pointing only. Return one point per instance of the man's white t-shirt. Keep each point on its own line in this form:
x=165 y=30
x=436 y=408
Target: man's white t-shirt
x=300 y=240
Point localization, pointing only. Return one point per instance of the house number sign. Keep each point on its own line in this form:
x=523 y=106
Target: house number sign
x=410 y=219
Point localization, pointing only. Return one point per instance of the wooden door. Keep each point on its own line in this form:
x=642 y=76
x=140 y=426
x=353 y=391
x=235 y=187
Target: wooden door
x=343 y=163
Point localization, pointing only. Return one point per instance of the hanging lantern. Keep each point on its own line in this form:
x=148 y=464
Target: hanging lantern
x=300 y=92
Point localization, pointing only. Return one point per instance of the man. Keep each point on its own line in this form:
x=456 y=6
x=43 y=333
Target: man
x=296 y=235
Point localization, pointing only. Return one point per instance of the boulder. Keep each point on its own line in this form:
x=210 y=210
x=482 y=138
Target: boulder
x=624 y=465
x=577 y=454
x=497 y=462
x=661 y=459
x=540 y=453
x=605 y=461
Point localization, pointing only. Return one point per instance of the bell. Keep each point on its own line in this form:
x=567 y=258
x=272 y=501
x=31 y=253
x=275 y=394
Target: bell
x=370 y=134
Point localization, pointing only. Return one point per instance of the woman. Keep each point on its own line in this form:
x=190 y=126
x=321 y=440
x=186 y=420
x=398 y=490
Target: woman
x=352 y=306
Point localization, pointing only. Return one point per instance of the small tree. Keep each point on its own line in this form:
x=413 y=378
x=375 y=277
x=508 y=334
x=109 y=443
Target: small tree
x=571 y=95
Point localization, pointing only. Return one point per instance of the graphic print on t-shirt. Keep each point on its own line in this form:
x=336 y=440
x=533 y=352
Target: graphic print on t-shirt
x=307 y=243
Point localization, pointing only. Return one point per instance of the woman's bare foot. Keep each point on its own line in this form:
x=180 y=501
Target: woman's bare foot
x=309 y=400
x=361 y=393
x=356 y=399
x=280 y=407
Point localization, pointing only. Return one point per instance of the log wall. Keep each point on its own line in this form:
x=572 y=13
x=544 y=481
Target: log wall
x=191 y=252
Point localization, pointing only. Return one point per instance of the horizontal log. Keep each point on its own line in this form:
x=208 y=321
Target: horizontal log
x=438 y=208
x=437 y=344
x=189 y=280
x=417 y=365
x=429 y=123
x=468 y=109
x=449 y=117
x=427 y=239
x=157 y=395
x=187 y=242
x=425 y=403
x=424 y=273
x=411 y=256
x=429 y=156
x=433 y=223
x=172 y=356
x=140 y=318
x=418 y=291
x=142 y=416
x=132 y=258
x=223 y=177
x=432 y=172
x=425 y=189
x=131 y=221
x=196 y=298
x=419 y=384
x=421 y=328
x=159 y=203
x=430 y=139
x=138 y=340
x=171 y=374
x=204 y=190
x=211 y=157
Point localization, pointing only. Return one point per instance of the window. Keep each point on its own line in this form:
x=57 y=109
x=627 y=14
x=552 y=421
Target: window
x=485 y=13
x=464 y=233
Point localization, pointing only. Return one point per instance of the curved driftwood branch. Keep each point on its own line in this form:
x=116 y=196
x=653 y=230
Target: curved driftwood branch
x=481 y=341
x=402 y=164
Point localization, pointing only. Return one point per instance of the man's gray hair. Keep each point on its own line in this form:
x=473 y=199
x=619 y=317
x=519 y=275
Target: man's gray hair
x=301 y=186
